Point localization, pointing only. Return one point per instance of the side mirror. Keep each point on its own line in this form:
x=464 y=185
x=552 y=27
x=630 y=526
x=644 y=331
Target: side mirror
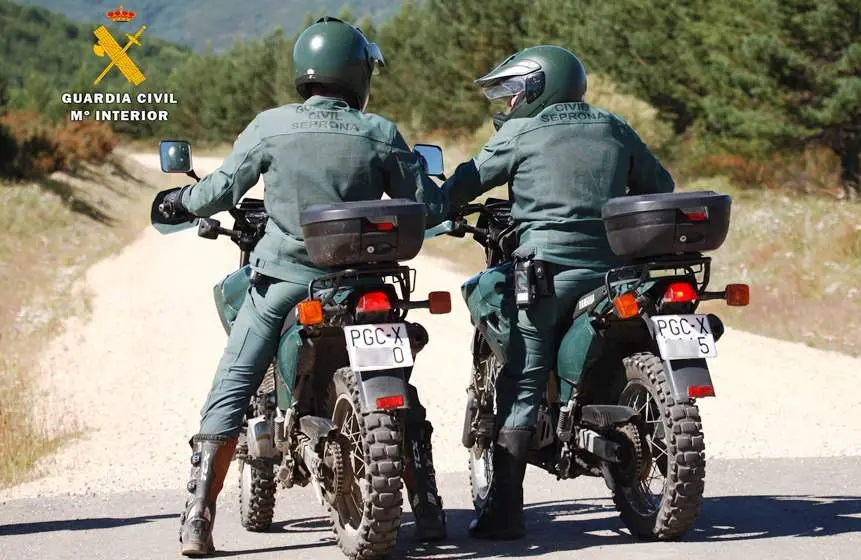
x=175 y=156
x=432 y=160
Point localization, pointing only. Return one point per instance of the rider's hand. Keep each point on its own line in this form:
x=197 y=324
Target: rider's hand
x=171 y=205
x=168 y=209
x=458 y=223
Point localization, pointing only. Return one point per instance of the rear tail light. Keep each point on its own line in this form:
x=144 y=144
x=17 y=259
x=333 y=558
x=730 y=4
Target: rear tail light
x=439 y=303
x=701 y=391
x=680 y=292
x=626 y=305
x=737 y=295
x=310 y=312
x=696 y=214
x=382 y=225
x=392 y=401
x=374 y=302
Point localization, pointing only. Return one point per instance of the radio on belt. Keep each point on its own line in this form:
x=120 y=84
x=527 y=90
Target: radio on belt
x=524 y=288
x=532 y=279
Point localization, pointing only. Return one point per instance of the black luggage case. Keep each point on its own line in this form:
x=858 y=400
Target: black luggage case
x=348 y=234
x=653 y=225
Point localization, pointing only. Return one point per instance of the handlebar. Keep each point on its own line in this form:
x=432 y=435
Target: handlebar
x=458 y=226
x=167 y=209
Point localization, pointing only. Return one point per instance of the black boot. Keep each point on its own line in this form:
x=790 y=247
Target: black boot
x=501 y=517
x=210 y=461
x=420 y=480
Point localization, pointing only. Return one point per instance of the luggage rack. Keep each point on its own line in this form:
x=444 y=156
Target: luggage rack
x=403 y=275
x=690 y=265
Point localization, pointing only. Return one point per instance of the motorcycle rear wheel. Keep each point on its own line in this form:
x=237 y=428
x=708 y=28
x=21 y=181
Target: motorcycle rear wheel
x=366 y=514
x=673 y=432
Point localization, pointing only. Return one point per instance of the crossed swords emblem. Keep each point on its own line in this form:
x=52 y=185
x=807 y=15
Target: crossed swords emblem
x=107 y=45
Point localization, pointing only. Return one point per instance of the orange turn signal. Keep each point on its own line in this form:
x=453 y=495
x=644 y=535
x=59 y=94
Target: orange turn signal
x=737 y=295
x=310 y=312
x=626 y=305
x=439 y=303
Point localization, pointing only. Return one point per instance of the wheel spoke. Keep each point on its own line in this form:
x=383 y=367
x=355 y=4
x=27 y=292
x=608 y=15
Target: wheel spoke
x=646 y=495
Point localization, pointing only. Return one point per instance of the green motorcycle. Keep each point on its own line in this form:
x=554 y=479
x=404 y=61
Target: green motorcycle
x=331 y=410
x=621 y=401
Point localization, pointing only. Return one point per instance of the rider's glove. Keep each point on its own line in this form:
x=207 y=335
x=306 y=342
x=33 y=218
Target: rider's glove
x=171 y=205
x=168 y=203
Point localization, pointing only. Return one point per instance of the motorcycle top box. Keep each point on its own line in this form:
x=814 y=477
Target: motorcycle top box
x=355 y=233
x=666 y=224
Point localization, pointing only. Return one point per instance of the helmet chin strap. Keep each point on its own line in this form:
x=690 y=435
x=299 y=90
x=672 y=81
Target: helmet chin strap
x=499 y=119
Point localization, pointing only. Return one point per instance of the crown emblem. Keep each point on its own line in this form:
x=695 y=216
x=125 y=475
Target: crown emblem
x=121 y=15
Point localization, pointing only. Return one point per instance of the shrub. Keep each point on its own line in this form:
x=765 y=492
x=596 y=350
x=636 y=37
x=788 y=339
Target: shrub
x=815 y=170
x=84 y=141
x=31 y=148
x=33 y=151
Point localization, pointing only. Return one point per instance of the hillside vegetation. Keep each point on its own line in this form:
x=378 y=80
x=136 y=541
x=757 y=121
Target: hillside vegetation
x=215 y=23
x=740 y=94
x=53 y=230
x=43 y=54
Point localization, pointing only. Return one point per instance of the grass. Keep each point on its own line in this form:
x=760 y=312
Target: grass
x=801 y=255
x=53 y=231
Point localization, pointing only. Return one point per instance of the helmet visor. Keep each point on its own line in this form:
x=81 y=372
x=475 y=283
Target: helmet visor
x=505 y=89
x=375 y=55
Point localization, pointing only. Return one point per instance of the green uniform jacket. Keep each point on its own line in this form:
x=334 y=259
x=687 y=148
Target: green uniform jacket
x=561 y=167
x=321 y=151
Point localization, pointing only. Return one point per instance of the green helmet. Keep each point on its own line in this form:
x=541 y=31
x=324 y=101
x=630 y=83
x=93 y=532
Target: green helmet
x=336 y=54
x=534 y=78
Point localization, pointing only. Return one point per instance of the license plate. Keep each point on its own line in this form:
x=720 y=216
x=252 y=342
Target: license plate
x=376 y=347
x=684 y=337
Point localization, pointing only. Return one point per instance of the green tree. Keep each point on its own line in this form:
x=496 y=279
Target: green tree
x=786 y=73
x=438 y=49
x=644 y=45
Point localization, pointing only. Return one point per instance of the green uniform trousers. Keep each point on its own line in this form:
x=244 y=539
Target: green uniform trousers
x=251 y=347
x=532 y=347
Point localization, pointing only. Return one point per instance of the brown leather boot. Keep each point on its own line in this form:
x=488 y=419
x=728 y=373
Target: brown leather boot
x=210 y=460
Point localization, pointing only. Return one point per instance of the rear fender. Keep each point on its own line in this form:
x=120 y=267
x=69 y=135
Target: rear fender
x=684 y=374
x=373 y=385
x=230 y=294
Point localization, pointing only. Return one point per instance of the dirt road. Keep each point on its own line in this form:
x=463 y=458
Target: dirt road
x=136 y=371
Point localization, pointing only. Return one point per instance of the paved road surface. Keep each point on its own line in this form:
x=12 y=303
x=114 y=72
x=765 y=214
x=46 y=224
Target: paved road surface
x=776 y=508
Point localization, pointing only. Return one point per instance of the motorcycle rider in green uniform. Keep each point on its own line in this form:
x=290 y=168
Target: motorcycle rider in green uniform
x=324 y=150
x=562 y=160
